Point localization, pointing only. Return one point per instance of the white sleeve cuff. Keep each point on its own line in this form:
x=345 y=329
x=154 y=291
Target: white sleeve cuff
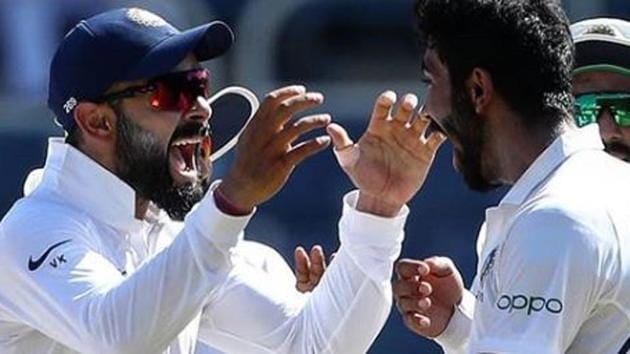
x=455 y=336
x=373 y=242
x=223 y=230
x=369 y=229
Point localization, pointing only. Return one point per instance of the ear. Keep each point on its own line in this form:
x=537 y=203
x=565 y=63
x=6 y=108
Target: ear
x=94 y=121
x=481 y=89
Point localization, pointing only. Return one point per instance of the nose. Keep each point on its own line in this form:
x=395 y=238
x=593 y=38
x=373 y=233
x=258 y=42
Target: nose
x=200 y=111
x=608 y=128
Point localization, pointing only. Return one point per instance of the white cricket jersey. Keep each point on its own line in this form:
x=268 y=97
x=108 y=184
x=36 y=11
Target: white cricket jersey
x=81 y=274
x=554 y=259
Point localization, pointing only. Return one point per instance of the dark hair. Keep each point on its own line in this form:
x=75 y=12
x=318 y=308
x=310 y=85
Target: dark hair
x=525 y=45
x=74 y=137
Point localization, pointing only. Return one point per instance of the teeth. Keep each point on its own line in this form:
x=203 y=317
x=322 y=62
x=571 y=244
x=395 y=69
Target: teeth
x=187 y=141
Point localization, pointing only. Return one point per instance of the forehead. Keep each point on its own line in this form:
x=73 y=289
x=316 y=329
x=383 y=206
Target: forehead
x=600 y=81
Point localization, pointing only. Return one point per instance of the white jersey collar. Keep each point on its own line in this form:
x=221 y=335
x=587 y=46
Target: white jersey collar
x=572 y=141
x=88 y=186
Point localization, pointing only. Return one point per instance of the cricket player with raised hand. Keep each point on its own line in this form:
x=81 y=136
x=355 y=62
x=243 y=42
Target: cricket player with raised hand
x=125 y=245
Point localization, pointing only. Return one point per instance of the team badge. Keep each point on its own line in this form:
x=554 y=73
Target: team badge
x=145 y=18
x=601 y=29
x=488 y=265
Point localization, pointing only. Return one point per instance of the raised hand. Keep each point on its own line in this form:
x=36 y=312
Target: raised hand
x=426 y=293
x=391 y=160
x=309 y=268
x=265 y=154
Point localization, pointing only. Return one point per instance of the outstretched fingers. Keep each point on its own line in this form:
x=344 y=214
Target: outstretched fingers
x=318 y=263
x=293 y=131
x=287 y=108
x=305 y=149
x=382 y=109
x=406 y=109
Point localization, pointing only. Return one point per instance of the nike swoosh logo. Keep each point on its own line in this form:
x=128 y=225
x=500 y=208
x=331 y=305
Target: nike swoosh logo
x=34 y=264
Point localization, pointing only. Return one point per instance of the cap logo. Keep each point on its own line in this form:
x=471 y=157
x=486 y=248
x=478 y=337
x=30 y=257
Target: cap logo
x=145 y=18
x=601 y=29
x=70 y=104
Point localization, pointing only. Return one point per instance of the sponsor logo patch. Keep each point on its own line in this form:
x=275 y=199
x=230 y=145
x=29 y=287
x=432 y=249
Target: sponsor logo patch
x=34 y=264
x=529 y=304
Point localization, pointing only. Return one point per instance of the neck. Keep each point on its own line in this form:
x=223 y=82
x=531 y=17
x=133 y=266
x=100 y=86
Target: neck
x=516 y=147
x=142 y=205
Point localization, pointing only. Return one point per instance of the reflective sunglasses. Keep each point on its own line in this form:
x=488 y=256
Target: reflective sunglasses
x=176 y=91
x=588 y=107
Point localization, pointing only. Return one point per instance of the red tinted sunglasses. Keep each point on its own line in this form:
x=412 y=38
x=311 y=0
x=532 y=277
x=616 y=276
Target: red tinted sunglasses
x=171 y=92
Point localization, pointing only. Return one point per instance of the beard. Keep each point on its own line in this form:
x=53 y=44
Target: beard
x=618 y=149
x=143 y=163
x=471 y=132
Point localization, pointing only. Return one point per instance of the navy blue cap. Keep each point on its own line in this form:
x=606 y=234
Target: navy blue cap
x=123 y=45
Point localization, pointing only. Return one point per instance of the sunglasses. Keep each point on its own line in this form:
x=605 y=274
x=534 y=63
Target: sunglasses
x=588 y=107
x=171 y=92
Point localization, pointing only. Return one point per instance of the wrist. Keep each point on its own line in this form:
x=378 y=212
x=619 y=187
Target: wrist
x=378 y=206
x=225 y=201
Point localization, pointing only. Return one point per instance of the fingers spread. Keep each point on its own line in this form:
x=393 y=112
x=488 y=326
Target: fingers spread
x=419 y=124
x=302 y=264
x=346 y=151
x=382 y=107
x=300 y=127
x=406 y=108
x=318 y=261
x=435 y=140
x=285 y=92
x=273 y=98
x=305 y=149
x=339 y=136
x=287 y=108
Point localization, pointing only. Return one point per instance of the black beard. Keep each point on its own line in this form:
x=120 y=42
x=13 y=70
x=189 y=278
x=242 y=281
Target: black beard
x=618 y=148
x=471 y=131
x=142 y=163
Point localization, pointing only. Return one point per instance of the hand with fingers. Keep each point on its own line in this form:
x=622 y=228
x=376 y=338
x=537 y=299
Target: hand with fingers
x=426 y=293
x=267 y=152
x=390 y=162
x=309 y=267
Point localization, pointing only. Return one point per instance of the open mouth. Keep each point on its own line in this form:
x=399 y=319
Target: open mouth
x=190 y=159
x=435 y=126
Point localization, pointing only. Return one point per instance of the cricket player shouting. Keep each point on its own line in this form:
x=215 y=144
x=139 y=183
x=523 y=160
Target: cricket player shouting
x=119 y=249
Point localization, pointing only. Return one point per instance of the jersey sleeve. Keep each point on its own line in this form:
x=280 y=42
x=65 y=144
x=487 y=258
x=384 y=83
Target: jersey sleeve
x=57 y=281
x=551 y=270
x=455 y=338
x=260 y=311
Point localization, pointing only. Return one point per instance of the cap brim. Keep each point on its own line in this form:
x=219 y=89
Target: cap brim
x=232 y=109
x=206 y=42
x=600 y=55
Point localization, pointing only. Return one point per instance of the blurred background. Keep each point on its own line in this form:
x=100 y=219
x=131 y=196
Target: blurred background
x=350 y=50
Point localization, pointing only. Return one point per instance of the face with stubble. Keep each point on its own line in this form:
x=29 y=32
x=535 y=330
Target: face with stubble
x=164 y=155
x=452 y=112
